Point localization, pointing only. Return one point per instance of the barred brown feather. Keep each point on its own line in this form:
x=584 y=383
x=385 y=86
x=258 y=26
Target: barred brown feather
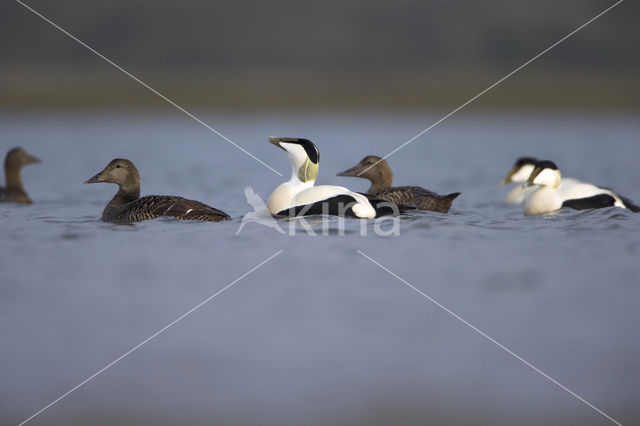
x=417 y=196
x=153 y=206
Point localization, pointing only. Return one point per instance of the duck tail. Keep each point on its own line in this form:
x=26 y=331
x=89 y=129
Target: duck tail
x=452 y=196
x=629 y=204
x=448 y=199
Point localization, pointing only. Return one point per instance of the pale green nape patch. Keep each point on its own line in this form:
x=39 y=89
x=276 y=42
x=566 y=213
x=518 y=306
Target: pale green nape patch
x=556 y=185
x=308 y=171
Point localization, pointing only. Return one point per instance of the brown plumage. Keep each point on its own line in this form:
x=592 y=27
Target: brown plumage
x=127 y=206
x=379 y=173
x=14 y=192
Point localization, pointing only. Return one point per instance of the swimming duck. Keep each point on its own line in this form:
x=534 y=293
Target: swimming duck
x=379 y=173
x=127 y=206
x=299 y=196
x=519 y=174
x=549 y=196
x=14 y=192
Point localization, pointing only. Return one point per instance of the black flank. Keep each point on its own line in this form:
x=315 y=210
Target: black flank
x=596 y=202
x=332 y=206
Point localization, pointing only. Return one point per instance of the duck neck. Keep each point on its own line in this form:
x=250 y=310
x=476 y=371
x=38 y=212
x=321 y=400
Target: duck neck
x=381 y=179
x=123 y=196
x=12 y=175
x=296 y=182
x=558 y=181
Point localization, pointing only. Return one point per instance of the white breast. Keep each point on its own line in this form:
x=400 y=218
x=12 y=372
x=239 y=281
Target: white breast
x=518 y=194
x=280 y=198
x=541 y=201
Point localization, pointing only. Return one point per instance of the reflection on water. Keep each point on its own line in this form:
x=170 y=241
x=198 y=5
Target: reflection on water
x=319 y=335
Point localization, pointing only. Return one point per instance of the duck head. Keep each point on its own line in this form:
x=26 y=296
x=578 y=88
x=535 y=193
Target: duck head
x=17 y=157
x=121 y=172
x=303 y=155
x=545 y=173
x=370 y=167
x=374 y=168
x=521 y=170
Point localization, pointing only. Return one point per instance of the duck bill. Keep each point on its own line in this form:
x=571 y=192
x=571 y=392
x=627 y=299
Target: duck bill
x=350 y=172
x=96 y=179
x=276 y=142
x=534 y=174
x=33 y=160
x=507 y=179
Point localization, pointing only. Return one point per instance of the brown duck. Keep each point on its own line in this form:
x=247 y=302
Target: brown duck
x=127 y=206
x=14 y=192
x=379 y=173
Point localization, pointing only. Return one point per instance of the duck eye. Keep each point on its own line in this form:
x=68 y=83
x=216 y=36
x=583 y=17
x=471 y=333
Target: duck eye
x=118 y=166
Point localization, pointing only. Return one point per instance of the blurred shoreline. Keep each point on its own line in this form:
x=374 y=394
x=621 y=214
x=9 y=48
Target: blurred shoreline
x=110 y=89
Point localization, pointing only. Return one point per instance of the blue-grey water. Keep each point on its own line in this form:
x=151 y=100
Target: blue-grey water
x=319 y=334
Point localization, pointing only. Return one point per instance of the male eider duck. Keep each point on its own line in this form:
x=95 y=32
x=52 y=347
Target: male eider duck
x=519 y=174
x=127 y=206
x=14 y=192
x=550 y=196
x=299 y=196
x=379 y=173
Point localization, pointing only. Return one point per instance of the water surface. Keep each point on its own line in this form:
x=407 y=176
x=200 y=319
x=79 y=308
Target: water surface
x=320 y=334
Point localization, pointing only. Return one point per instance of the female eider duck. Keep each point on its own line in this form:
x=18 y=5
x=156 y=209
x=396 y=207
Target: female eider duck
x=519 y=174
x=379 y=173
x=550 y=196
x=14 y=192
x=127 y=206
x=299 y=196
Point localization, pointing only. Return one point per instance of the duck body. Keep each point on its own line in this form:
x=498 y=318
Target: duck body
x=299 y=196
x=550 y=195
x=378 y=172
x=128 y=206
x=546 y=200
x=582 y=190
x=14 y=195
x=14 y=191
x=520 y=193
x=417 y=196
x=541 y=201
x=154 y=206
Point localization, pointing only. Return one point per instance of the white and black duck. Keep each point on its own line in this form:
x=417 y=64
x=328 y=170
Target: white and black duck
x=299 y=196
x=550 y=196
